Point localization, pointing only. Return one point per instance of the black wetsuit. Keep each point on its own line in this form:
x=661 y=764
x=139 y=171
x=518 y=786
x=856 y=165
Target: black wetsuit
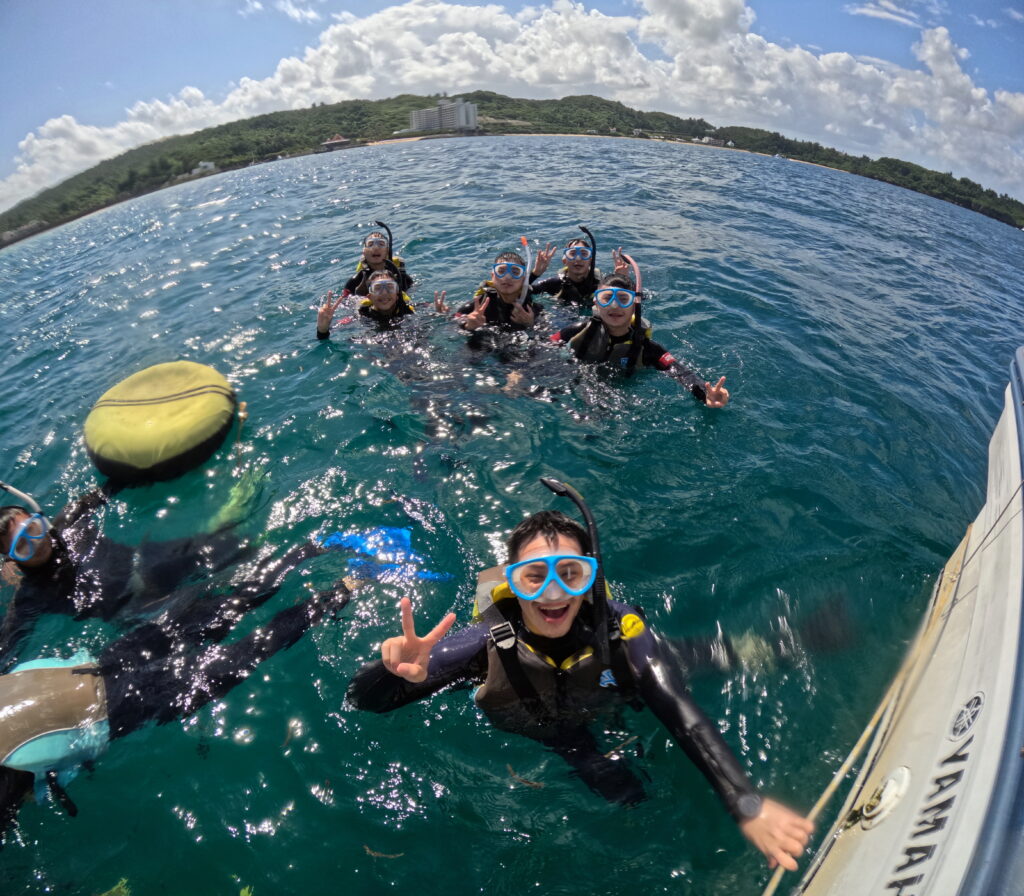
x=499 y=312
x=403 y=308
x=652 y=354
x=170 y=668
x=358 y=283
x=579 y=293
x=91 y=576
x=643 y=669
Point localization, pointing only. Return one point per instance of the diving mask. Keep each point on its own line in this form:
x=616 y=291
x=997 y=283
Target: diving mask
x=529 y=579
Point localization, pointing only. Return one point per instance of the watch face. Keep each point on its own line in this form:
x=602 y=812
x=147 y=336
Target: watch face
x=749 y=806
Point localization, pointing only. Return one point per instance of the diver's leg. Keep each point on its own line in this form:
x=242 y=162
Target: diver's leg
x=607 y=777
x=140 y=690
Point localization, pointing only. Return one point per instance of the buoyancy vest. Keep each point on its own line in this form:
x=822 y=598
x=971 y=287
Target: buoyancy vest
x=594 y=344
x=527 y=691
x=53 y=717
x=394 y=266
x=573 y=291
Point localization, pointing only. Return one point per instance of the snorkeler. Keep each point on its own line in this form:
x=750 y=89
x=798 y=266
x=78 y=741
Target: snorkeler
x=505 y=300
x=618 y=335
x=378 y=255
x=69 y=567
x=553 y=653
x=61 y=713
x=385 y=305
x=576 y=281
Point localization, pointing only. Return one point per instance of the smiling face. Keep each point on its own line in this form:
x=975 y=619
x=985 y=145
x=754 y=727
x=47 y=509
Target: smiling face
x=550 y=615
x=383 y=293
x=576 y=268
x=375 y=250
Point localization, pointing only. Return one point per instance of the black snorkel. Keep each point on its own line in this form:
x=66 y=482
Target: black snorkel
x=391 y=241
x=638 y=323
x=593 y=250
x=599 y=590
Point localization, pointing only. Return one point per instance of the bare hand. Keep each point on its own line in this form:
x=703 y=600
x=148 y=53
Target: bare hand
x=477 y=317
x=622 y=266
x=717 y=395
x=544 y=257
x=407 y=654
x=439 y=306
x=523 y=316
x=326 y=313
x=779 y=833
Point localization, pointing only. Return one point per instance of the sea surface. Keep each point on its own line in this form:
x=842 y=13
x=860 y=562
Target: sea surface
x=865 y=333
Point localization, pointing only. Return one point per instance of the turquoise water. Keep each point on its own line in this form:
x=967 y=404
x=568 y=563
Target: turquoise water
x=865 y=332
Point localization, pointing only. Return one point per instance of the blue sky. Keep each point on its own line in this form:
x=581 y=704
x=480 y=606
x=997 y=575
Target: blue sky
x=919 y=79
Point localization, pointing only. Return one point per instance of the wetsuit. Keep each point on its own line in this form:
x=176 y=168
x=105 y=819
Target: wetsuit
x=499 y=312
x=359 y=281
x=159 y=672
x=565 y=690
x=591 y=342
x=402 y=308
x=561 y=287
x=90 y=576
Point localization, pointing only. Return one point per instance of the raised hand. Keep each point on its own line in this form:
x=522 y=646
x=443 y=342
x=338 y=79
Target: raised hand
x=478 y=316
x=544 y=257
x=325 y=315
x=717 y=395
x=622 y=266
x=439 y=306
x=407 y=654
x=523 y=316
x=779 y=833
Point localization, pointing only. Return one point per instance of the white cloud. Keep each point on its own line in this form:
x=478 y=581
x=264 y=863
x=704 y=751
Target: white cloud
x=710 y=63
x=1014 y=14
x=885 y=10
x=303 y=15
x=983 y=23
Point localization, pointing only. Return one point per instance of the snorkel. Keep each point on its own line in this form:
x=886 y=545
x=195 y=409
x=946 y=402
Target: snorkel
x=526 y=273
x=391 y=241
x=638 y=323
x=599 y=590
x=593 y=250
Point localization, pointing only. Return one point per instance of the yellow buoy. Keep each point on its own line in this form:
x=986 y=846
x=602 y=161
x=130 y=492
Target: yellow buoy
x=159 y=422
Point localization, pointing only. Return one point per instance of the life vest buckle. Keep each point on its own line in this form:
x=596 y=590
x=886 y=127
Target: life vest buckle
x=503 y=635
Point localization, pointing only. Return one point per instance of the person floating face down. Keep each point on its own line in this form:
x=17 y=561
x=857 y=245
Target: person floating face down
x=69 y=567
x=536 y=649
x=504 y=301
x=385 y=304
x=61 y=713
x=615 y=336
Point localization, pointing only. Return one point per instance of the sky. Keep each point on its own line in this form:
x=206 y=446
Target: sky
x=930 y=81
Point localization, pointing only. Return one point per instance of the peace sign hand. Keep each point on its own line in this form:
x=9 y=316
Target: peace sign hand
x=439 y=306
x=621 y=265
x=717 y=395
x=407 y=654
x=544 y=257
x=325 y=315
x=477 y=318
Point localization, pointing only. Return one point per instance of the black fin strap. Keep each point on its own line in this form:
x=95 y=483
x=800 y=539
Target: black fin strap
x=60 y=794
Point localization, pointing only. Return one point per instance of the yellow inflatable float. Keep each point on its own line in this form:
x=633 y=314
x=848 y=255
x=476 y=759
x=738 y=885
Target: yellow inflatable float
x=159 y=422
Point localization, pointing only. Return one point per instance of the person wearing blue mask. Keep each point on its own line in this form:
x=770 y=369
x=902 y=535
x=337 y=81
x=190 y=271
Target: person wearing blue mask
x=504 y=301
x=554 y=654
x=617 y=335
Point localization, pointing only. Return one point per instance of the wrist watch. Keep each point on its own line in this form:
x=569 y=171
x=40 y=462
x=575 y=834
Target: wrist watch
x=749 y=806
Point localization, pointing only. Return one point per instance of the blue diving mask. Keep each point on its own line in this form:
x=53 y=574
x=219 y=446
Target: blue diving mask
x=27 y=538
x=529 y=579
x=509 y=269
x=580 y=253
x=621 y=297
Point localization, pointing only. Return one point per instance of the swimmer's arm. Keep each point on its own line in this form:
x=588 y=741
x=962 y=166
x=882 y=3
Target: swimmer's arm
x=548 y=286
x=84 y=504
x=663 y=689
x=655 y=356
x=562 y=337
x=459 y=657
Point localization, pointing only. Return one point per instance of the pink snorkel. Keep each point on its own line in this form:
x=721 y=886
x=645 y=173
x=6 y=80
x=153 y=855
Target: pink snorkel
x=526 y=273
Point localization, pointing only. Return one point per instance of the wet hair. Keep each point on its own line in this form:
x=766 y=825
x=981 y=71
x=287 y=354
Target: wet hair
x=15 y=785
x=550 y=524
x=380 y=275
x=511 y=258
x=616 y=280
x=376 y=234
x=577 y=241
x=7 y=514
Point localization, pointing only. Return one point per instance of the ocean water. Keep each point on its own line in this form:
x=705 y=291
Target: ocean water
x=865 y=333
